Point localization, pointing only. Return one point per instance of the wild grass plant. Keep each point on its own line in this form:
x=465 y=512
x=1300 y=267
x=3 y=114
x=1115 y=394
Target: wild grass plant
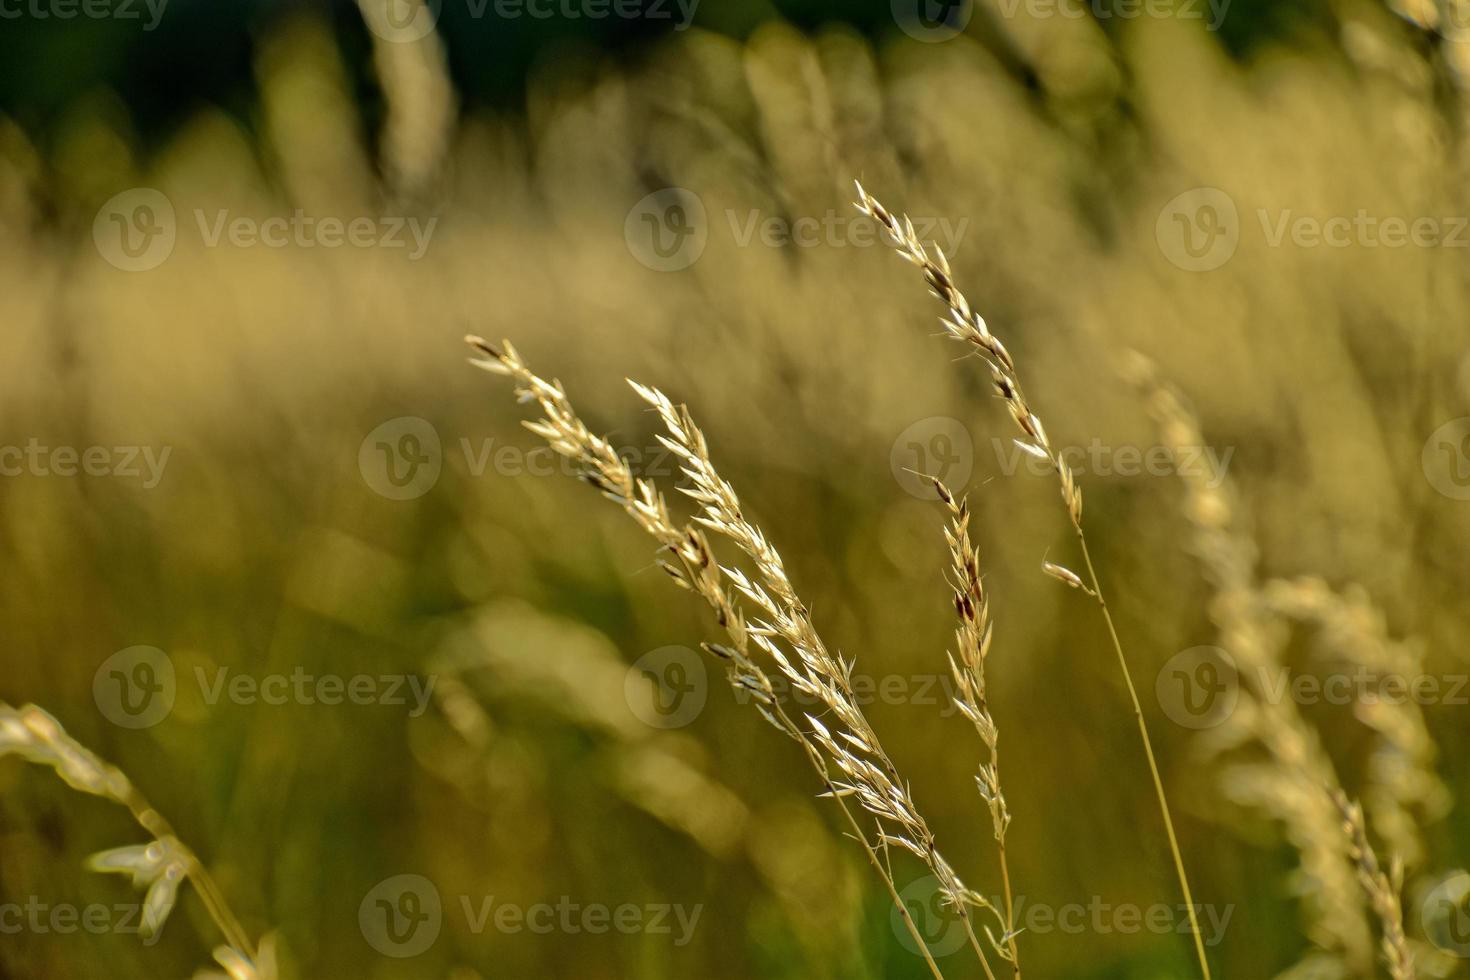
x=1051 y=150
x=1303 y=784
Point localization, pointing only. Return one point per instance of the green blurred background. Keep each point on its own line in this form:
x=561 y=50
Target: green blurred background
x=272 y=543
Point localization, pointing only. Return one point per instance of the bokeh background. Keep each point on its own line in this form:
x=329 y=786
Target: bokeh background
x=342 y=495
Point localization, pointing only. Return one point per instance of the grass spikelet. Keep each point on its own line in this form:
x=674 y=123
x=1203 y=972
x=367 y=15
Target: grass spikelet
x=1382 y=889
x=159 y=867
x=967 y=664
x=1285 y=783
x=963 y=324
x=844 y=750
x=1401 y=790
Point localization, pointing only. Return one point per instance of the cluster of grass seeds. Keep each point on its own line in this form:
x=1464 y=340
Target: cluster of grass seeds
x=967 y=665
x=1299 y=783
x=843 y=749
x=1293 y=780
x=964 y=324
x=1296 y=783
x=1382 y=889
x=160 y=866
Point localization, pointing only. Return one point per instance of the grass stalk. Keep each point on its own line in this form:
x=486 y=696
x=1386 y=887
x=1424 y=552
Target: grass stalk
x=962 y=323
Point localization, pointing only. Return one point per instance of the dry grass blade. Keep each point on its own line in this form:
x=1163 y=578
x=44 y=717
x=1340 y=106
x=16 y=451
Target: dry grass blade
x=863 y=772
x=868 y=773
x=1382 y=889
x=967 y=664
x=962 y=323
x=160 y=866
x=965 y=325
x=1285 y=783
x=1401 y=790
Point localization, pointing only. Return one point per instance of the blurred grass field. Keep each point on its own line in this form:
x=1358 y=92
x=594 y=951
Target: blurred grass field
x=1052 y=146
